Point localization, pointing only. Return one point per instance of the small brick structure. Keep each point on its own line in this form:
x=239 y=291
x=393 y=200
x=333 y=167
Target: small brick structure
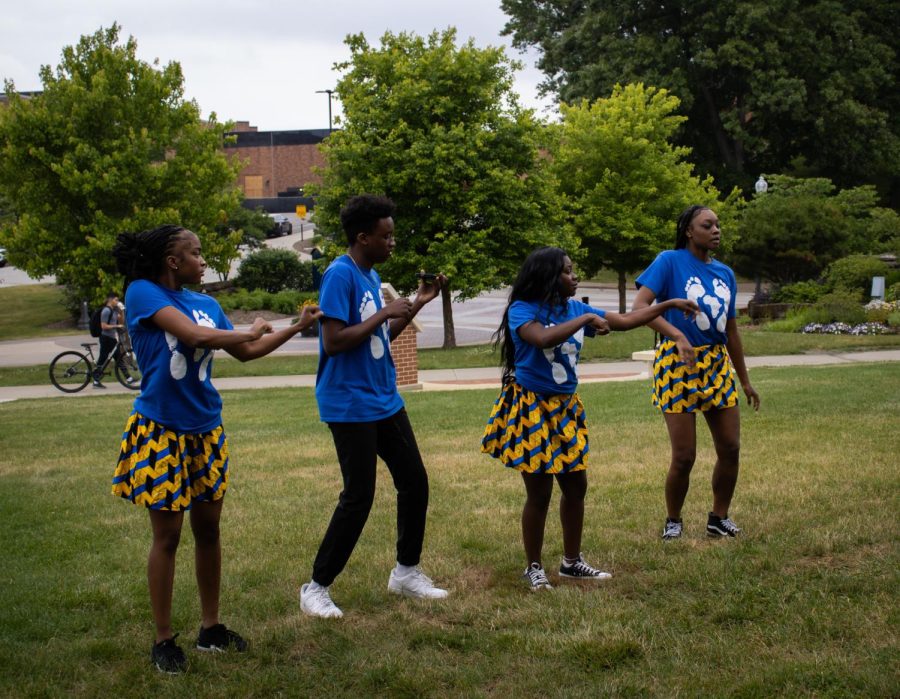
x=405 y=349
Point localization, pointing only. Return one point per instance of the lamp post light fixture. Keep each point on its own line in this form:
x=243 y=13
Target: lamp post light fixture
x=761 y=185
x=329 y=93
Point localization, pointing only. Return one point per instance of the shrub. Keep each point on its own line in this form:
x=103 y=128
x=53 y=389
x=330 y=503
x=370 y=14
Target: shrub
x=879 y=311
x=799 y=292
x=273 y=270
x=837 y=307
x=894 y=319
x=854 y=274
x=284 y=302
x=892 y=292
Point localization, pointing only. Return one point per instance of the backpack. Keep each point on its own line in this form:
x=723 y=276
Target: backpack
x=94 y=325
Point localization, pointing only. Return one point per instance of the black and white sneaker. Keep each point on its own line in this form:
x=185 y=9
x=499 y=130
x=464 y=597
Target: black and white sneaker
x=672 y=530
x=537 y=578
x=219 y=638
x=168 y=657
x=581 y=570
x=721 y=526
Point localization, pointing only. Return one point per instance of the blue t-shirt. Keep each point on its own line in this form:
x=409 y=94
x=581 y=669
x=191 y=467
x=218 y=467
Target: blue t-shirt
x=677 y=274
x=548 y=371
x=360 y=384
x=176 y=386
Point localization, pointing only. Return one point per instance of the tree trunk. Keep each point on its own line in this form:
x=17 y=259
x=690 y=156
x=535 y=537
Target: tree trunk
x=728 y=146
x=622 y=308
x=449 y=329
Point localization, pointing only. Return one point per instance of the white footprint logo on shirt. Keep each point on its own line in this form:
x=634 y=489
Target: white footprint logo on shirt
x=569 y=351
x=177 y=362
x=717 y=304
x=366 y=310
x=202 y=355
x=695 y=291
x=723 y=292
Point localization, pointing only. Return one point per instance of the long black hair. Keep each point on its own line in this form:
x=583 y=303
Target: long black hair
x=141 y=255
x=684 y=222
x=538 y=280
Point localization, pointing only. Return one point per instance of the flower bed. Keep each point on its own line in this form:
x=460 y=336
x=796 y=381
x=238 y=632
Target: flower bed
x=846 y=329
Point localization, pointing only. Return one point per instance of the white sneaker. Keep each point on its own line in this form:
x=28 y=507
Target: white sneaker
x=416 y=584
x=318 y=603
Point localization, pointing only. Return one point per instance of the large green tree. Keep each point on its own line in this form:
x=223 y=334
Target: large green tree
x=621 y=180
x=437 y=128
x=778 y=86
x=109 y=145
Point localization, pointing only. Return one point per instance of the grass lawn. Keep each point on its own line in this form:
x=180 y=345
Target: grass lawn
x=34 y=310
x=804 y=604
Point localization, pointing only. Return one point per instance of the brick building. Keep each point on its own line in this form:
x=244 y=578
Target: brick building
x=276 y=163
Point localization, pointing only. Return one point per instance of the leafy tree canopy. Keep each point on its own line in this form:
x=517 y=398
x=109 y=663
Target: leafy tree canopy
x=109 y=145
x=622 y=183
x=437 y=128
x=801 y=225
x=778 y=86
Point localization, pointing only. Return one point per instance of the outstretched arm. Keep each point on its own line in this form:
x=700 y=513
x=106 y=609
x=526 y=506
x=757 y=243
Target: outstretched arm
x=176 y=323
x=267 y=343
x=643 y=315
x=536 y=334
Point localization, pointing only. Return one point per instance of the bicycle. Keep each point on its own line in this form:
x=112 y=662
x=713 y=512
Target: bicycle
x=71 y=371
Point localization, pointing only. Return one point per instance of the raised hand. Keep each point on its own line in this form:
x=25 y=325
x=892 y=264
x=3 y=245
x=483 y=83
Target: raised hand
x=399 y=308
x=428 y=290
x=260 y=327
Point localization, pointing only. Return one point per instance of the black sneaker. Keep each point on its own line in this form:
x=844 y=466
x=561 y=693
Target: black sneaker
x=97 y=384
x=536 y=577
x=580 y=569
x=218 y=639
x=721 y=526
x=168 y=656
x=672 y=530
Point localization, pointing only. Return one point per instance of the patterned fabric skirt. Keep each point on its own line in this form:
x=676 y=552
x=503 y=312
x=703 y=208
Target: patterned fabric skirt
x=537 y=434
x=708 y=386
x=167 y=470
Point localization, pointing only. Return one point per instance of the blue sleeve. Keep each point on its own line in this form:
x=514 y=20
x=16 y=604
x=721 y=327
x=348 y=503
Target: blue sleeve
x=335 y=294
x=143 y=299
x=656 y=277
x=519 y=314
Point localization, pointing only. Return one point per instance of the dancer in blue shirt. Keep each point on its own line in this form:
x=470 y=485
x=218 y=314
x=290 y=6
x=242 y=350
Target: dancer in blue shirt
x=695 y=364
x=174 y=454
x=356 y=389
x=537 y=425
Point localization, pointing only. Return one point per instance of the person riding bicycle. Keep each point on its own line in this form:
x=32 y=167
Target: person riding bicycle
x=112 y=322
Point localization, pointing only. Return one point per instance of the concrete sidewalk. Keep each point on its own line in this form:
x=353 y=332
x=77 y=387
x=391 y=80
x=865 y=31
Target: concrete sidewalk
x=460 y=379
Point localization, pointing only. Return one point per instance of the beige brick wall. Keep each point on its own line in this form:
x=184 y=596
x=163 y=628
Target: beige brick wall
x=405 y=351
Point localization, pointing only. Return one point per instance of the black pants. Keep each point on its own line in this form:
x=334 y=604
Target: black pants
x=107 y=345
x=358 y=444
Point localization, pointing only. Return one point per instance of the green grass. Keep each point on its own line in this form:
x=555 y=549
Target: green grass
x=34 y=310
x=803 y=605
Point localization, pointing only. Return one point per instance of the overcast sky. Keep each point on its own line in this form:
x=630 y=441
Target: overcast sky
x=256 y=60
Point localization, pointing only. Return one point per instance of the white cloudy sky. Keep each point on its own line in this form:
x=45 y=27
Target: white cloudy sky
x=253 y=60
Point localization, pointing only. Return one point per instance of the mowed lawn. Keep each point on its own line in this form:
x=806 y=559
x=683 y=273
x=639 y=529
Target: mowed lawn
x=805 y=604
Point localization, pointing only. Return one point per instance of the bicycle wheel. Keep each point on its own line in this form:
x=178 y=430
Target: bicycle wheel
x=127 y=371
x=70 y=371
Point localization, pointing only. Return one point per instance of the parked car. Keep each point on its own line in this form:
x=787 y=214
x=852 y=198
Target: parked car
x=281 y=225
x=2 y=257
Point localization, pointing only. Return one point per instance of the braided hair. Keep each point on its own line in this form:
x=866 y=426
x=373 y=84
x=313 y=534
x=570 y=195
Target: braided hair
x=141 y=255
x=538 y=280
x=684 y=222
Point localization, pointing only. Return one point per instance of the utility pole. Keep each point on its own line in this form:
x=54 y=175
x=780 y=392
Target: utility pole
x=329 y=93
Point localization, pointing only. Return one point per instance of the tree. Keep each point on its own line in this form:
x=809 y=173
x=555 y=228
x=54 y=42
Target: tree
x=800 y=226
x=109 y=145
x=621 y=181
x=767 y=87
x=438 y=129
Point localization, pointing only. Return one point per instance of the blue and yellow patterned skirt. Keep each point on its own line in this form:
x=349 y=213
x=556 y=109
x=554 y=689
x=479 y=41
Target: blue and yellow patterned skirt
x=167 y=470
x=537 y=434
x=708 y=386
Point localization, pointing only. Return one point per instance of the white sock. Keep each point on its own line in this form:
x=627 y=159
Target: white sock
x=569 y=561
x=402 y=571
x=315 y=587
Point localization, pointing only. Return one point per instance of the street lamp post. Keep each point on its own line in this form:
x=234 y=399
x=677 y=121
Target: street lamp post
x=761 y=187
x=329 y=93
